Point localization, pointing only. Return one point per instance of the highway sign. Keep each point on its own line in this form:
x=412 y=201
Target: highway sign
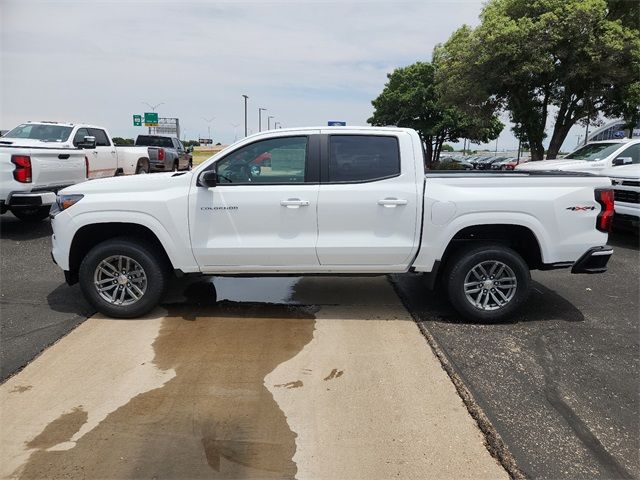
x=336 y=123
x=137 y=120
x=150 y=119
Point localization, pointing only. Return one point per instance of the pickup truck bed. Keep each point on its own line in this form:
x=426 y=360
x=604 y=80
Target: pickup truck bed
x=332 y=201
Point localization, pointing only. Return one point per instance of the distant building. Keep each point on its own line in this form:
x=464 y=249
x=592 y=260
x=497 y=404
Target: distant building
x=612 y=130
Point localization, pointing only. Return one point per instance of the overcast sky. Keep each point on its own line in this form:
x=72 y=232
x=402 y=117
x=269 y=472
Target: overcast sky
x=307 y=62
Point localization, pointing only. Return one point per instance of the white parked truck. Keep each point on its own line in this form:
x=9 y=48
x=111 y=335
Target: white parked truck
x=352 y=201
x=39 y=158
x=594 y=157
x=626 y=193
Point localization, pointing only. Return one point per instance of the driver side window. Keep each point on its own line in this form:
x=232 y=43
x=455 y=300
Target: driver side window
x=276 y=160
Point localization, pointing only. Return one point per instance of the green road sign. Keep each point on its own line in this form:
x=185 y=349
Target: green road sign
x=137 y=120
x=150 y=119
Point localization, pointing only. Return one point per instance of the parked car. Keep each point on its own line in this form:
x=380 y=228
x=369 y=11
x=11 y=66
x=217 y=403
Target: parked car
x=500 y=164
x=485 y=163
x=308 y=213
x=39 y=158
x=512 y=163
x=165 y=153
x=593 y=157
x=626 y=192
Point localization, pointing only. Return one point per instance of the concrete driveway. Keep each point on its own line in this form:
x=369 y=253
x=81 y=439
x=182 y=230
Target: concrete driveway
x=314 y=378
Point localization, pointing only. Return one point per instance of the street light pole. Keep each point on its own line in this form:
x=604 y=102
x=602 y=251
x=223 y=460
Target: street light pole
x=245 y=114
x=260 y=110
x=269 y=122
x=152 y=107
x=209 y=120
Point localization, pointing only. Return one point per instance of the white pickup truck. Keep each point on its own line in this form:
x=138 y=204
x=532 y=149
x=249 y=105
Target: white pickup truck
x=39 y=158
x=352 y=201
x=594 y=157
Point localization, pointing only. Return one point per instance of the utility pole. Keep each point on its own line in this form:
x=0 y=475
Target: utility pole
x=260 y=110
x=245 y=114
x=269 y=122
x=496 y=145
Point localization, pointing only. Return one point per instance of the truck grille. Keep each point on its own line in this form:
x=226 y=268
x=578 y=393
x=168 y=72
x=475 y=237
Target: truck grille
x=626 y=196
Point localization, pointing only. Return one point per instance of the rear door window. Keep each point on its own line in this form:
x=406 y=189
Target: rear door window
x=363 y=158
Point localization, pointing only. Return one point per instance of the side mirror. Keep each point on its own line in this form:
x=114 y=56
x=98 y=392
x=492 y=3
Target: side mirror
x=208 y=179
x=87 y=143
x=622 y=161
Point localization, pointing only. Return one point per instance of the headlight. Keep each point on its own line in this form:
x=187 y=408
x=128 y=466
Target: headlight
x=65 y=201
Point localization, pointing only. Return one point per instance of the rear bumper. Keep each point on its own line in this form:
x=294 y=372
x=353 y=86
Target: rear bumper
x=31 y=199
x=594 y=260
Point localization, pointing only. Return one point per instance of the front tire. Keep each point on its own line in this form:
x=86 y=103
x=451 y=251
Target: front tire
x=31 y=214
x=122 y=278
x=488 y=283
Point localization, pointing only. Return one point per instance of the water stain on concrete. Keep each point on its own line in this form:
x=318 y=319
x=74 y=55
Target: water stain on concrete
x=335 y=373
x=214 y=419
x=21 y=388
x=296 y=384
x=60 y=430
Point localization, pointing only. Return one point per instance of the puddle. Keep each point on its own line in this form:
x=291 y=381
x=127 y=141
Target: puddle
x=214 y=419
x=203 y=290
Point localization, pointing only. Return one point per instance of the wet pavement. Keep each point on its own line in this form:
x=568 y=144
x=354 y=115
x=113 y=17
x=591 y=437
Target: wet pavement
x=560 y=381
x=306 y=378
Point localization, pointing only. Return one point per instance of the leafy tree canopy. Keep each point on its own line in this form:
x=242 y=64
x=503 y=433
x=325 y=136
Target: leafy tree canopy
x=411 y=98
x=530 y=57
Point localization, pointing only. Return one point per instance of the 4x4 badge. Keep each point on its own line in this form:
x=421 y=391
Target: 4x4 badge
x=581 y=209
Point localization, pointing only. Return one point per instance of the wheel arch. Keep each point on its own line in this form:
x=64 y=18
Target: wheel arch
x=519 y=238
x=88 y=236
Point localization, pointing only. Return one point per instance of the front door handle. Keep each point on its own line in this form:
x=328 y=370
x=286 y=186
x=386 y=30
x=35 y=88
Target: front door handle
x=392 y=202
x=294 y=203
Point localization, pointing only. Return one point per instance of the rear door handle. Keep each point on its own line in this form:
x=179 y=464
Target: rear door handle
x=294 y=203
x=392 y=202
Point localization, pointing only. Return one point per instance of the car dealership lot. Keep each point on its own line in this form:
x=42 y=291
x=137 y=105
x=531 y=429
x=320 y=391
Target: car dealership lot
x=559 y=384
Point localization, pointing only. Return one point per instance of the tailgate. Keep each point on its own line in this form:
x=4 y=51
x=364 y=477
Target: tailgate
x=56 y=167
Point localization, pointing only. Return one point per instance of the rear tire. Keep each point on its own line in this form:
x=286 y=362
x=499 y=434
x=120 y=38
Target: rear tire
x=487 y=283
x=31 y=214
x=143 y=167
x=175 y=166
x=122 y=278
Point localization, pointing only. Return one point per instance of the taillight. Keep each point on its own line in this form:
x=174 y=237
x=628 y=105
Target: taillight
x=161 y=154
x=605 y=218
x=86 y=167
x=22 y=172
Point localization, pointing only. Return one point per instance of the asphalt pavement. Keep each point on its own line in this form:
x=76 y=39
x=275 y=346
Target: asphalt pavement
x=560 y=381
x=36 y=305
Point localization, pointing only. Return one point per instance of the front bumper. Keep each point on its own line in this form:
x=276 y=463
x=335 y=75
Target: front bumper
x=594 y=260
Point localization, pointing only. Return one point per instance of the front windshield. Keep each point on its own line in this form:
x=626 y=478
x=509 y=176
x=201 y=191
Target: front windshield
x=42 y=132
x=593 y=152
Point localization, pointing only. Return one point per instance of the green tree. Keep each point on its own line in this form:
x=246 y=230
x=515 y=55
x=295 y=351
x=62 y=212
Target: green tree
x=122 y=141
x=447 y=148
x=572 y=58
x=411 y=98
